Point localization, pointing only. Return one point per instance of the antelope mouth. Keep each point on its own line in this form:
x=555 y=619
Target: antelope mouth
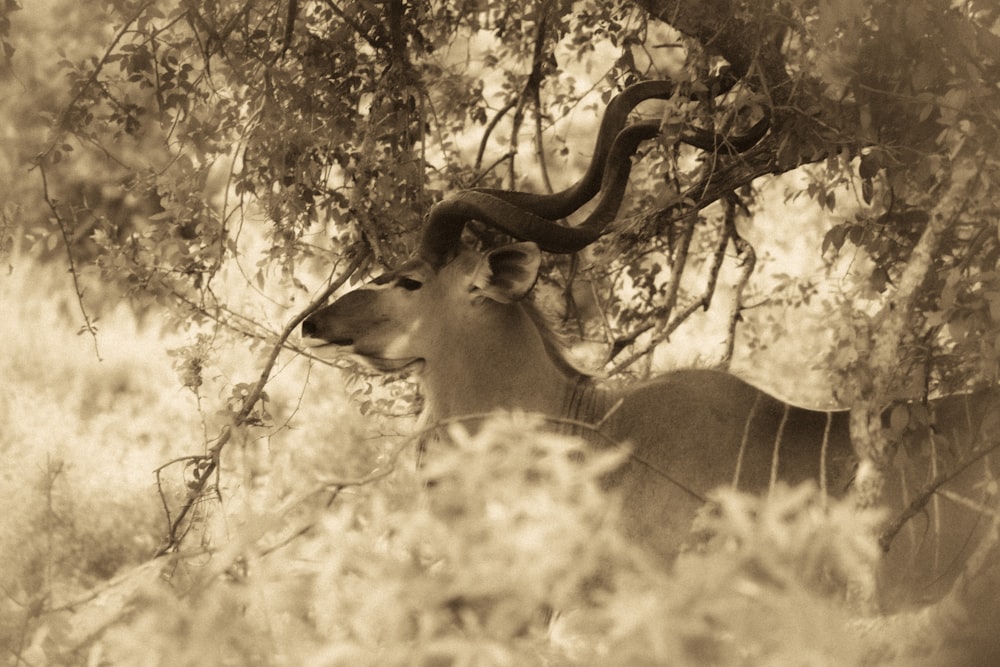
x=383 y=365
x=345 y=347
x=322 y=343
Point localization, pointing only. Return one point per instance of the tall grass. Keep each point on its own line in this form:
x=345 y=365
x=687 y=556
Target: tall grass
x=80 y=436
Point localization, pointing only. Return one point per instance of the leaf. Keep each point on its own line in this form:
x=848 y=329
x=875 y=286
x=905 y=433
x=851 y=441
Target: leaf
x=879 y=279
x=835 y=237
x=958 y=329
x=869 y=165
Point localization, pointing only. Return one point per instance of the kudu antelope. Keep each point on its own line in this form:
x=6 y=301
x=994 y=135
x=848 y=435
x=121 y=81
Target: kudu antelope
x=459 y=318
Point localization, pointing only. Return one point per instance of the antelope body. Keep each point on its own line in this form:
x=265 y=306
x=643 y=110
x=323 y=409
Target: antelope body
x=460 y=319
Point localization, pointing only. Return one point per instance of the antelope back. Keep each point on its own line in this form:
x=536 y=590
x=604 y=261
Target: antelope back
x=695 y=430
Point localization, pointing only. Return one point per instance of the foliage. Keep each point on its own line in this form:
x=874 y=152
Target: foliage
x=185 y=155
x=513 y=527
x=920 y=88
x=328 y=120
x=169 y=133
x=79 y=439
x=82 y=438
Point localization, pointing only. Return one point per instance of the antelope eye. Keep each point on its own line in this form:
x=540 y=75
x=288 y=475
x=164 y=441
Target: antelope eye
x=409 y=284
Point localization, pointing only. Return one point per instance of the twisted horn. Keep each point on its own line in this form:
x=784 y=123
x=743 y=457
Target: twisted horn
x=530 y=217
x=561 y=204
x=447 y=219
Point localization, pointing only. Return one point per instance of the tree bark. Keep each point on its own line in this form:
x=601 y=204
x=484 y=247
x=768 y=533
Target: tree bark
x=874 y=392
x=749 y=47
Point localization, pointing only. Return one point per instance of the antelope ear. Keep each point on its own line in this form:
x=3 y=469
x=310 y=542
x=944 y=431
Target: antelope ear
x=508 y=273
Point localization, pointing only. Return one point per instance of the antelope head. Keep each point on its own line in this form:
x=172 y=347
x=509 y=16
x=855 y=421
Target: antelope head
x=421 y=313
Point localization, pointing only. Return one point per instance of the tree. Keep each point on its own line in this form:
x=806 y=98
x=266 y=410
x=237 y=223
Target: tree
x=345 y=121
x=894 y=93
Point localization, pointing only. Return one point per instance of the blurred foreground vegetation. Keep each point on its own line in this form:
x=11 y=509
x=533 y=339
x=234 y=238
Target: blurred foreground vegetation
x=325 y=546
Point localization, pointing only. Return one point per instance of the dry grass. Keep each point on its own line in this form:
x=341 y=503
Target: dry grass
x=80 y=437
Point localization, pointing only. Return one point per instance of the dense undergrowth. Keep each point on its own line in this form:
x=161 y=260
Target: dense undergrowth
x=326 y=545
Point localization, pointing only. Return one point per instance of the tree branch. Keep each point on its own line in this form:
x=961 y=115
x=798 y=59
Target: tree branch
x=748 y=260
x=88 y=324
x=488 y=131
x=208 y=464
x=871 y=443
x=747 y=47
x=659 y=315
x=126 y=25
x=917 y=505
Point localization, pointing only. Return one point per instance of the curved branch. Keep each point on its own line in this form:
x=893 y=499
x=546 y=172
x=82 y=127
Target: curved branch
x=489 y=131
x=760 y=161
x=209 y=463
x=890 y=531
x=88 y=324
x=540 y=143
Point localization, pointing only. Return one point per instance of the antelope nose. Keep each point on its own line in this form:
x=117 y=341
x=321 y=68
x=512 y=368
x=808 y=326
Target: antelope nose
x=309 y=328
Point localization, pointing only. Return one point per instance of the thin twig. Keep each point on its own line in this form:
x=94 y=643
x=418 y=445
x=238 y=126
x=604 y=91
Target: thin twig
x=929 y=491
x=265 y=334
x=660 y=314
x=334 y=486
x=251 y=399
x=88 y=323
x=540 y=144
x=488 y=131
x=680 y=258
x=533 y=90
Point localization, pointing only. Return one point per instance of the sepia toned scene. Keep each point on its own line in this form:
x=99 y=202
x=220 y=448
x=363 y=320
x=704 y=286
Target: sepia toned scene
x=652 y=332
